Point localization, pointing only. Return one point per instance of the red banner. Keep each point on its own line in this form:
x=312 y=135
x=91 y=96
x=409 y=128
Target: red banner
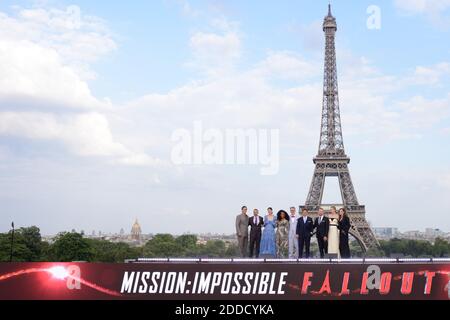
x=224 y=281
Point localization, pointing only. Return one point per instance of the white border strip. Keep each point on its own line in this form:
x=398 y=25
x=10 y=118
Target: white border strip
x=152 y=260
x=249 y=260
x=380 y=260
x=281 y=260
x=415 y=260
x=184 y=260
x=441 y=259
x=216 y=260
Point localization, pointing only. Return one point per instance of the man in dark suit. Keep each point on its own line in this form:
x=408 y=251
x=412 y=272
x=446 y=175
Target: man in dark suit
x=305 y=227
x=322 y=225
x=256 y=224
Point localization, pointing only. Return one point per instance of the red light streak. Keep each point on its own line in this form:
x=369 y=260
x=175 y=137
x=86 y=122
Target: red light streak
x=51 y=271
x=21 y=272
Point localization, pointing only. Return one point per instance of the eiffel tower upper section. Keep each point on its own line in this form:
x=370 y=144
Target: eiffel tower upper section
x=331 y=140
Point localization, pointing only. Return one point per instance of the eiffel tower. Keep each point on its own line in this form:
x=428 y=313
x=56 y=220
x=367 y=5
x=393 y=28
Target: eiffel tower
x=331 y=160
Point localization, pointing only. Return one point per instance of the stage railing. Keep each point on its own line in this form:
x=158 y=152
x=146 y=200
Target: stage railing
x=356 y=260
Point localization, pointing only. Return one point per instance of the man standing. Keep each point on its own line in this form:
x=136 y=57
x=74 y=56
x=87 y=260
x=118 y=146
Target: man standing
x=293 y=242
x=242 y=231
x=322 y=226
x=256 y=223
x=305 y=227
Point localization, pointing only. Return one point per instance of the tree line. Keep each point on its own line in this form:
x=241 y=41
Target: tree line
x=416 y=248
x=73 y=246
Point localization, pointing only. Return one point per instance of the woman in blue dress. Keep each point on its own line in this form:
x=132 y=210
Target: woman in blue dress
x=268 y=241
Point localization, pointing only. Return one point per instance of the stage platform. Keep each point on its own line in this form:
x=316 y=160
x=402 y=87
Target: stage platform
x=229 y=279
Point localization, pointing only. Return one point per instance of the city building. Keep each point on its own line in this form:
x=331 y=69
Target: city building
x=136 y=232
x=386 y=233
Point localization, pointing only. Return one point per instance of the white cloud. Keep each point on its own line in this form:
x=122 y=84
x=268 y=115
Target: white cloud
x=411 y=6
x=186 y=8
x=419 y=112
x=215 y=53
x=45 y=54
x=86 y=134
x=422 y=6
x=371 y=111
x=431 y=75
x=141 y=160
x=29 y=70
x=78 y=39
x=90 y=135
x=311 y=35
x=45 y=57
x=444 y=180
x=289 y=66
x=212 y=46
x=436 y=11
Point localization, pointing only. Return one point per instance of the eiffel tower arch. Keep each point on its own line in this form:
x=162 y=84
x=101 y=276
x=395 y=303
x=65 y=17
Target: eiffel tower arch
x=331 y=160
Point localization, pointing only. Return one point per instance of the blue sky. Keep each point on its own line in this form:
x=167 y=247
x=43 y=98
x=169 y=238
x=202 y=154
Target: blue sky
x=87 y=108
x=152 y=60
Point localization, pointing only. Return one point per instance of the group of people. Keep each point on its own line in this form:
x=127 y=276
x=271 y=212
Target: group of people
x=289 y=235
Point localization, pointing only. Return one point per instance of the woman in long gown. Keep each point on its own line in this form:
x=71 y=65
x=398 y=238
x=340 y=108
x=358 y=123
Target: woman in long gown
x=282 y=235
x=344 y=228
x=333 y=233
x=268 y=245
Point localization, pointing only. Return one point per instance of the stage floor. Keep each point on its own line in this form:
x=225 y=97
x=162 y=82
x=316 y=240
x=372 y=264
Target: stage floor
x=362 y=261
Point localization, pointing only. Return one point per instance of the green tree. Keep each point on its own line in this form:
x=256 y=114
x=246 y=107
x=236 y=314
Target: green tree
x=416 y=248
x=441 y=248
x=188 y=244
x=162 y=246
x=21 y=253
x=232 y=251
x=46 y=252
x=33 y=241
x=212 y=249
x=71 y=246
x=108 y=252
x=375 y=253
x=187 y=241
x=355 y=249
x=393 y=246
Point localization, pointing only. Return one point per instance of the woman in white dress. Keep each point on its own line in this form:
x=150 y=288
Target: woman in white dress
x=333 y=233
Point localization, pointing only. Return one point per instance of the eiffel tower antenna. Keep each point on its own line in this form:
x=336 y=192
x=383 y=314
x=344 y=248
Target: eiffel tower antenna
x=331 y=160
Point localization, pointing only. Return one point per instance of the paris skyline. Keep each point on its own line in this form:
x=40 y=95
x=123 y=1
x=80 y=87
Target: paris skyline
x=90 y=98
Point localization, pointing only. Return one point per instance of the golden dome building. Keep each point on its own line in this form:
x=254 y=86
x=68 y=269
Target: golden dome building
x=136 y=231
